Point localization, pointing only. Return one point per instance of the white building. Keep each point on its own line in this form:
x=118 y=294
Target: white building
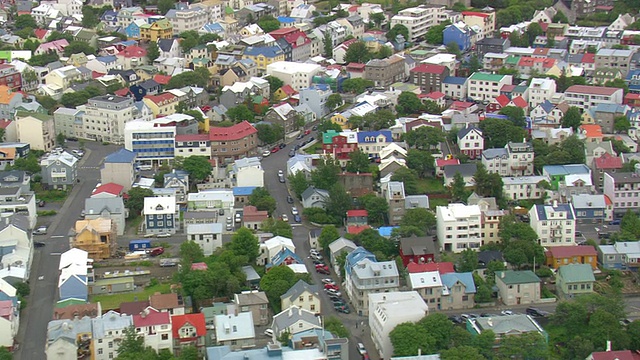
x=417 y=20
x=235 y=330
x=541 y=90
x=152 y=143
x=524 y=187
x=273 y=246
x=387 y=310
x=247 y=172
x=297 y=75
x=105 y=117
x=486 y=87
x=515 y=159
x=108 y=330
x=586 y=96
x=187 y=19
x=459 y=227
x=208 y=236
x=364 y=275
x=555 y=224
x=155 y=327
x=210 y=200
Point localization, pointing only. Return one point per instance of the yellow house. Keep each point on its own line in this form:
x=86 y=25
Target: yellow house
x=340 y=120
x=284 y=92
x=587 y=118
x=161 y=29
x=97 y=237
x=161 y=104
x=263 y=55
x=78 y=60
x=554 y=71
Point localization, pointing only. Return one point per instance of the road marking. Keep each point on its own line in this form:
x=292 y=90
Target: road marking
x=55 y=254
x=57 y=236
x=294 y=225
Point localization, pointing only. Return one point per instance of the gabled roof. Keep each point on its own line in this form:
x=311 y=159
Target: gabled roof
x=511 y=277
x=452 y=278
x=151 y=317
x=568 y=251
x=591 y=90
x=462 y=133
x=111 y=188
x=195 y=320
x=429 y=69
x=608 y=161
x=441 y=267
x=122 y=156
x=133 y=51
x=298 y=289
x=573 y=273
x=423 y=280
x=235 y=132
x=615 y=355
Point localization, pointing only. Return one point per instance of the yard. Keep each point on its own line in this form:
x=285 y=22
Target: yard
x=431 y=185
x=315 y=148
x=49 y=195
x=112 y=301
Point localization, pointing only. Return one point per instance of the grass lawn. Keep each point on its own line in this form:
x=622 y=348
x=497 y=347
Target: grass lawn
x=112 y=301
x=433 y=202
x=50 y=195
x=431 y=185
x=315 y=148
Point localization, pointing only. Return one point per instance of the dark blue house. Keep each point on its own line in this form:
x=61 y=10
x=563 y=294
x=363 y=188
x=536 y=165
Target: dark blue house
x=148 y=87
x=589 y=208
x=633 y=80
x=160 y=215
x=459 y=34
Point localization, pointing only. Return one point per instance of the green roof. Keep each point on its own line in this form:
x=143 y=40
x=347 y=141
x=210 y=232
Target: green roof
x=39 y=116
x=576 y=273
x=229 y=10
x=69 y=302
x=327 y=137
x=511 y=277
x=486 y=77
x=257 y=99
x=419 y=52
x=210 y=312
x=513 y=60
x=113 y=281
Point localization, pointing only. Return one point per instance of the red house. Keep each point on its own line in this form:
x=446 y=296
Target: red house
x=188 y=330
x=417 y=249
x=632 y=100
x=441 y=267
x=357 y=221
x=339 y=148
x=503 y=101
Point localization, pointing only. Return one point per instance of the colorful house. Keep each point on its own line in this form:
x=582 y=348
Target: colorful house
x=459 y=34
x=133 y=29
x=357 y=221
x=188 y=330
x=160 y=29
x=558 y=256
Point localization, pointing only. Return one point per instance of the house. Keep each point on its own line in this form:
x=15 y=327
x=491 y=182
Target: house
x=37 y=130
x=586 y=96
x=297 y=75
x=393 y=192
x=467 y=171
x=131 y=57
x=558 y=256
x=575 y=280
x=364 y=275
x=619 y=187
x=558 y=174
x=155 y=328
x=247 y=172
x=612 y=355
x=252 y=218
x=107 y=206
x=471 y=142
x=111 y=285
x=211 y=200
x=458 y=227
x=59 y=170
x=416 y=19
x=417 y=249
x=316 y=97
x=442 y=163
x=515 y=159
x=97 y=237
x=156 y=30
x=70 y=312
x=486 y=87
x=118 y=168
x=505 y=325
x=235 y=330
x=429 y=77
x=68 y=337
x=208 y=236
x=387 y=310
x=589 y=208
x=460 y=34
x=170 y=303
x=458 y=291
x=256 y=303
x=357 y=221
x=302 y=295
x=384 y=72
x=620 y=256
x=518 y=287
x=107 y=332
x=243 y=133
x=554 y=224
x=455 y=87
x=188 y=330
x=160 y=215
x=524 y=187
x=294 y=320
x=491 y=45
x=313 y=197
x=484 y=21
x=336 y=249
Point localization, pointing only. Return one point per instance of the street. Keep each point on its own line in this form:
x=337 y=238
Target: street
x=34 y=320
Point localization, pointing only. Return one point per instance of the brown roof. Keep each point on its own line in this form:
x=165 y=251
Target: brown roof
x=163 y=301
x=592 y=90
x=72 y=311
x=251 y=298
x=133 y=307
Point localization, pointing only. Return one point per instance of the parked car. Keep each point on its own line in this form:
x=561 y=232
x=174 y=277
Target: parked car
x=317 y=262
x=316 y=256
x=297 y=218
x=285 y=218
x=268 y=332
x=41 y=203
x=289 y=200
x=229 y=220
x=536 y=312
x=238 y=217
x=322 y=265
x=328 y=281
x=221 y=212
x=506 y=312
x=361 y=349
x=163 y=235
x=342 y=309
x=229 y=227
x=314 y=251
x=281 y=178
x=283 y=145
x=314 y=128
x=300 y=136
x=615 y=222
x=266 y=153
x=322 y=271
x=331 y=286
x=294 y=211
x=39 y=244
x=338 y=302
x=292 y=153
x=456 y=319
x=41 y=230
x=334 y=292
x=156 y=251
x=307 y=132
x=275 y=149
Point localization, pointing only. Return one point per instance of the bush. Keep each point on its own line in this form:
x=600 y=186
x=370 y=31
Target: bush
x=546 y=293
x=47 y=213
x=319 y=216
x=544 y=272
x=153 y=282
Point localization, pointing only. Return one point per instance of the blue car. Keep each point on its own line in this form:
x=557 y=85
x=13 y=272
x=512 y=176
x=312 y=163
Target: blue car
x=615 y=222
x=297 y=218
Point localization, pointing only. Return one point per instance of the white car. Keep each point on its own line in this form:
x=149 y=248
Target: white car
x=361 y=349
x=163 y=235
x=333 y=292
x=41 y=230
x=268 y=332
x=294 y=211
x=285 y=218
x=506 y=312
x=328 y=281
x=280 y=172
x=266 y=153
x=314 y=252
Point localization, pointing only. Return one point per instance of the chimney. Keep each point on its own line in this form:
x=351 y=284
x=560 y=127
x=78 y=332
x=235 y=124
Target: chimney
x=608 y=345
x=555 y=203
x=502 y=274
x=290 y=311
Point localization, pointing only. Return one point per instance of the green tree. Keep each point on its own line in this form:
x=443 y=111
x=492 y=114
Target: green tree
x=630 y=226
x=261 y=199
x=25 y=21
x=468 y=261
x=278 y=227
x=378 y=19
x=409 y=178
x=336 y=327
x=358 y=162
x=357 y=53
x=492 y=267
x=422 y=162
x=298 y=183
x=240 y=113
x=484 y=342
x=458 y=188
x=29 y=164
x=572 y=118
x=56 y=35
x=333 y=101
x=621 y=124
x=464 y=352
x=268 y=24
x=189 y=353
x=90 y=17
x=31 y=45
x=76 y=47
x=132 y=346
x=533 y=31
x=338 y=202
x=277 y=281
x=328 y=235
x=514 y=114
x=198 y=167
x=424 y=137
x=398 y=30
x=244 y=243
x=531 y=345
x=270 y=133
x=497 y=133
x=383 y=53
x=434 y=35
x=356 y=85
x=408 y=103
x=327 y=42
x=43 y=59
x=439 y=327
x=165 y=5
x=153 y=51
x=381 y=247
x=326 y=173
x=560 y=17
x=274 y=83
x=409 y=338
x=618 y=83
x=420 y=218
x=135 y=202
x=190 y=252
x=199 y=77
x=5 y=354
x=377 y=208
x=488 y=184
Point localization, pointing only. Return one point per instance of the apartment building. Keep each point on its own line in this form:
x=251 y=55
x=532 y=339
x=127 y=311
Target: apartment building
x=417 y=20
x=486 y=87
x=524 y=187
x=623 y=188
x=393 y=192
x=485 y=21
x=108 y=330
x=614 y=59
x=541 y=90
x=459 y=227
x=192 y=19
x=193 y=145
x=231 y=143
x=515 y=159
x=105 y=117
x=68 y=121
x=297 y=75
x=384 y=72
x=364 y=275
x=555 y=224
x=35 y=129
x=162 y=104
x=152 y=143
x=428 y=76
x=586 y=96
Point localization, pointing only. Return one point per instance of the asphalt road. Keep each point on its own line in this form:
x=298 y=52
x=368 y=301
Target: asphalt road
x=33 y=322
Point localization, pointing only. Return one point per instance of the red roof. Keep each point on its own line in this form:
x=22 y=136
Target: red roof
x=591 y=90
x=429 y=69
x=520 y=102
x=252 y=214
x=355 y=66
x=162 y=79
x=151 y=317
x=133 y=51
x=507 y=88
x=40 y=33
x=293 y=39
x=357 y=229
x=276 y=34
x=460 y=105
x=608 y=161
x=235 y=132
x=4 y=123
x=192 y=137
x=348 y=43
x=540 y=51
x=544 y=26
x=351 y=213
x=615 y=355
x=631 y=96
x=591 y=130
x=110 y=188
x=588 y=58
x=161 y=97
x=560 y=252
x=607 y=200
x=287 y=89
x=95 y=74
x=199 y=266
x=196 y=320
x=503 y=100
x=445 y=162
x=441 y=267
x=474 y=13
x=123 y=92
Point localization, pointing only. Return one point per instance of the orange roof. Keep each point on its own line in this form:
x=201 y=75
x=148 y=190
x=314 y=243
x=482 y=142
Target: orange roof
x=133 y=51
x=162 y=79
x=235 y=132
x=6 y=94
x=195 y=320
x=591 y=130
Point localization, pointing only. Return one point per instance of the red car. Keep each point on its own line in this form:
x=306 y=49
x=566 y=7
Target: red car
x=323 y=271
x=307 y=132
x=330 y=286
x=324 y=266
x=275 y=149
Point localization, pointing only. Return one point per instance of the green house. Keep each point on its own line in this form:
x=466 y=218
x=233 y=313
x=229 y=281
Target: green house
x=574 y=280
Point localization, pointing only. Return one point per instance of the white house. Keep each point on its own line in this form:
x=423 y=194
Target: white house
x=208 y=236
x=459 y=227
x=294 y=320
x=524 y=187
x=297 y=75
x=247 y=172
x=235 y=330
x=486 y=87
x=107 y=332
x=515 y=159
x=555 y=224
x=586 y=96
x=155 y=327
x=364 y=275
x=302 y=295
x=471 y=142
x=541 y=90
x=211 y=199
x=273 y=246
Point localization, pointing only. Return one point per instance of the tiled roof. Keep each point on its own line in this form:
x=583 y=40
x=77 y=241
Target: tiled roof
x=441 y=267
x=133 y=51
x=591 y=90
x=608 y=161
x=592 y=130
x=235 y=132
x=167 y=96
x=357 y=213
x=196 y=320
x=429 y=69
x=111 y=188
x=560 y=252
x=151 y=317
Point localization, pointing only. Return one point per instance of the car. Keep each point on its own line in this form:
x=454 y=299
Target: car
x=314 y=251
x=465 y=317
x=266 y=153
x=334 y=292
x=82 y=214
x=317 y=262
x=487 y=315
x=280 y=173
x=322 y=265
x=296 y=147
x=156 y=251
x=41 y=203
x=282 y=146
x=163 y=235
x=316 y=256
x=531 y=311
x=221 y=212
x=314 y=128
x=506 y=312
x=322 y=271
x=229 y=227
x=292 y=153
x=275 y=149
x=268 y=332
x=285 y=218
x=604 y=235
x=328 y=281
x=456 y=319
x=338 y=302
x=41 y=230
x=229 y=220
x=39 y=244
x=361 y=349
x=294 y=211
x=615 y=222
x=289 y=199
x=300 y=136
x=150 y=235
x=281 y=178
x=297 y=218
x=474 y=316
x=307 y=132
x=311 y=139
x=331 y=286
x=342 y=309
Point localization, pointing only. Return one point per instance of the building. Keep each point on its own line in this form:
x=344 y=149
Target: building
x=604 y=163
x=105 y=117
x=107 y=332
x=211 y=200
x=467 y=171
x=491 y=45
x=235 y=330
x=188 y=330
x=622 y=188
x=558 y=256
x=256 y=303
x=505 y=325
x=524 y=187
x=283 y=115
x=118 y=168
x=575 y=280
x=155 y=327
x=297 y=75
x=97 y=237
x=541 y=90
x=384 y=72
x=68 y=121
x=418 y=250
x=455 y=87
x=192 y=145
x=35 y=129
x=595 y=209
x=187 y=19
x=515 y=159
x=294 y=320
x=59 y=170
x=586 y=97
x=518 y=287
x=303 y=296
x=393 y=192
x=160 y=215
x=417 y=20
x=387 y=310
x=107 y=206
x=252 y=218
x=316 y=98
x=471 y=142
x=459 y=227
x=561 y=174
x=231 y=143
x=152 y=143
x=68 y=337
x=554 y=224
x=428 y=76
x=620 y=256
x=162 y=104
x=208 y=236
x=313 y=197
x=485 y=22
x=364 y=275
x=459 y=34
x=486 y=87
x=156 y=30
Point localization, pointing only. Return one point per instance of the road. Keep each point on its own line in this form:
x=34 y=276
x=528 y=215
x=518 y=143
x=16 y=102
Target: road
x=40 y=303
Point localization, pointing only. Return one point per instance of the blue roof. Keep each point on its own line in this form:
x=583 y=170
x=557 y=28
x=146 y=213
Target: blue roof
x=106 y=59
x=286 y=20
x=611 y=108
x=574 y=169
x=547 y=106
x=267 y=51
x=355 y=256
x=279 y=258
x=466 y=278
x=321 y=87
x=362 y=135
x=213 y=27
x=243 y=190
x=633 y=73
x=542 y=210
x=121 y=156
x=386 y=230
x=128 y=42
x=455 y=80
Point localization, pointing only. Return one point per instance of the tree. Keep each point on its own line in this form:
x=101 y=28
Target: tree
x=618 y=83
x=621 y=124
x=135 y=202
x=338 y=202
x=31 y=45
x=560 y=17
x=468 y=261
x=473 y=63
x=454 y=48
x=409 y=178
x=268 y=24
x=357 y=53
x=514 y=114
x=336 y=327
x=240 y=113
x=261 y=199
x=76 y=47
x=277 y=281
x=189 y=353
x=326 y=173
x=630 y=226
x=409 y=338
x=333 y=101
x=434 y=35
x=274 y=83
x=328 y=235
x=56 y=35
x=420 y=218
x=458 y=188
x=270 y=133
x=377 y=208
x=90 y=18
x=398 y=30
x=132 y=346
x=497 y=133
x=531 y=345
x=431 y=107
x=358 y=162
x=198 y=167
x=190 y=252
x=29 y=164
x=572 y=118
x=165 y=5
x=356 y=85
x=43 y=59
x=488 y=185
x=60 y=139
x=424 y=137
x=298 y=183
x=408 y=103
x=198 y=77
x=327 y=42
x=533 y=31
x=384 y=52
x=277 y=227
x=153 y=51
x=464 y=352
x=244 y=243
x=484 y=342
x=421 y=162
x=25 y=21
